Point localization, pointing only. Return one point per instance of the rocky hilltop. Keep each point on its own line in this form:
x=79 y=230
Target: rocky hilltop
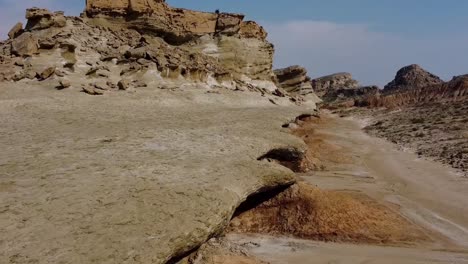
x=412 y=77
x=412 y=86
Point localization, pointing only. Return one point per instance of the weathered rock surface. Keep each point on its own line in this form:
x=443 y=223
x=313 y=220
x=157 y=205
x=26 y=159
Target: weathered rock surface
x=16 y=30
x=25 y=45
x=330 y=83
x=39 y=18
x=294 y=80
x=239 y=47
x=412 y=77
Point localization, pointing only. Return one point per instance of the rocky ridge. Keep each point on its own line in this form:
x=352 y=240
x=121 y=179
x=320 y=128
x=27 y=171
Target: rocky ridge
x=141 y=43
x=455 y=90
x=412 y=86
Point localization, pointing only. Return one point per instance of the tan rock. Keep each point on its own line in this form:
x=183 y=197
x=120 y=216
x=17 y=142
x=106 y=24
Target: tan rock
x=325 y=84
x=294 y=80
x=123 y=84
x=47 y=73
x=229 y=23
x=16 y=30
x=250 y=29
x=25 y=45
x=64 y=83
x=39 y=18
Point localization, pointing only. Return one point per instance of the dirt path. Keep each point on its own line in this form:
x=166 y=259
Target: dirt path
x=427 y=193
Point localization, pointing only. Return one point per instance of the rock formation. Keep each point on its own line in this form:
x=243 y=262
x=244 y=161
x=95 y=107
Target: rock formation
x=412 y=77
x=350 y=97
x=149 y=41
x=330 y=83
x=294 y=80
x=137 y=90
x=238 y=46
x=455 y=90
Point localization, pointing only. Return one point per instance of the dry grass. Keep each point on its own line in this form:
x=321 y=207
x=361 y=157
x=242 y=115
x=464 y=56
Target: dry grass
x=307 y=212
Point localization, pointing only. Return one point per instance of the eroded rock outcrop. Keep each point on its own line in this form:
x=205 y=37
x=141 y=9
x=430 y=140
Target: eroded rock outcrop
x=142 y=38
x=39 y=18
x=412 y=77
x=294 y=80
x=239 y=46
x=359 y=97
x=333 y=82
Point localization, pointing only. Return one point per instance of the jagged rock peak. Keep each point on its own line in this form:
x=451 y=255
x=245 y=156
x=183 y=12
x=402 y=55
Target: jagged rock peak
x=411 y=77
x=333 y=82
x=294 y=80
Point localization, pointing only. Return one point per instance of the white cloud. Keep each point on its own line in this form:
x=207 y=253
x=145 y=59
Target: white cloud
x=372 y=57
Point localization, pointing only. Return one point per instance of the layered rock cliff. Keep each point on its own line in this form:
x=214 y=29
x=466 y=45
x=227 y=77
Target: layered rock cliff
x=237 y=45
x=149 y=41
x=294 y=80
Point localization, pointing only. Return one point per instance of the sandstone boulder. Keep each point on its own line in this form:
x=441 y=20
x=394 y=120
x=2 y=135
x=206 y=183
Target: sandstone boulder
x=47 y=73
x=64 y=84
x=16 y=30
x=39 y=18
x=294 y=80
x=25 y=45
x=410 y=77
x=123 y=84
x=325 y=84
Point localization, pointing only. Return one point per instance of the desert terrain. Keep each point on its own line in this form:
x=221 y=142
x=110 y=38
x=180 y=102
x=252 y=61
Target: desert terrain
x=143 y=133
x=425 y=193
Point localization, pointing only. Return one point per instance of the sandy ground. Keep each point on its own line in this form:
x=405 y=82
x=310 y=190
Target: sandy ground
x=427 y=193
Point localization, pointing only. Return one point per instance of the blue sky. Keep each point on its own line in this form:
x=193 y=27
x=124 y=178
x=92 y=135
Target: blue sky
x=369 y=38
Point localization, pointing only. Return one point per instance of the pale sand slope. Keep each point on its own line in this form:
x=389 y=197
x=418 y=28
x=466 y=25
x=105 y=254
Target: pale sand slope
x=427 y=193
x=129 y=177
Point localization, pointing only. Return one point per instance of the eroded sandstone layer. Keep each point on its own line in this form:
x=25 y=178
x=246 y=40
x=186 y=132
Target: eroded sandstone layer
x=294 y=79
x=240 y=46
